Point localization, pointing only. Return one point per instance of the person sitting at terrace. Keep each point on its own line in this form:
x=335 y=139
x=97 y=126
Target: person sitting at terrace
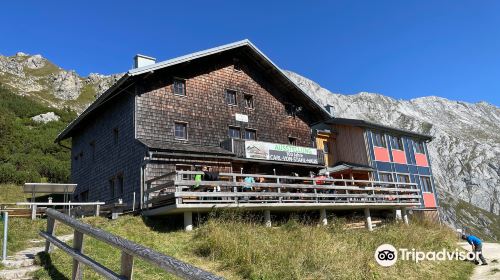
x=249 y=184
x=198 y=178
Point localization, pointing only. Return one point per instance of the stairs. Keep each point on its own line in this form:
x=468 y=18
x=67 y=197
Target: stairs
x=21 y=265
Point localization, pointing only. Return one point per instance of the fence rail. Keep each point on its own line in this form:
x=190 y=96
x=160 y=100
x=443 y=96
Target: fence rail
x=34 y=206
x=128 y=249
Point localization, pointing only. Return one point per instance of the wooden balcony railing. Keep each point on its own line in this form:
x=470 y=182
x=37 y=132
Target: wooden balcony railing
x=180 y=188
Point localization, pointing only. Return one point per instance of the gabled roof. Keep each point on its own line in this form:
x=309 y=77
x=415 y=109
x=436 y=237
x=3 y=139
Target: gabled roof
x=269 y=67
x=376 y=126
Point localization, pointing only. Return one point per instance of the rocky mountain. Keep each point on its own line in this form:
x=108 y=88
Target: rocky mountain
x=37 y=77
x=465 y=151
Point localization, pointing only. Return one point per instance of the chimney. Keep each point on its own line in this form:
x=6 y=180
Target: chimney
x=142 y=60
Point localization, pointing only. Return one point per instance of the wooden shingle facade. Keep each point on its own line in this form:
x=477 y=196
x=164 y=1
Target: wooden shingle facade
x=175 y=116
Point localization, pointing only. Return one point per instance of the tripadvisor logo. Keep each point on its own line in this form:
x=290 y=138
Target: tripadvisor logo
x=386 y=255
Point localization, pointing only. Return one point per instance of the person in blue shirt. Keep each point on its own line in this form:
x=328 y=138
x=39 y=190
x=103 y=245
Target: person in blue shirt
x=477 y=246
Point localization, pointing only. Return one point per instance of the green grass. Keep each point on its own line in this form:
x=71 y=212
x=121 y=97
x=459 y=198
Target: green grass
x=237 y=248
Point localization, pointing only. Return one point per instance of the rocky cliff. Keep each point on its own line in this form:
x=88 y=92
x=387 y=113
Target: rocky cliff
x=37 y=77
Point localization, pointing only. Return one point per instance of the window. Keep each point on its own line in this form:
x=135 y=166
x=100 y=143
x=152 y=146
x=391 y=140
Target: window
x=119 y=180
x=231 y=97
x=111 y=187
x=326 y=147
x=419 y=147
x=385 y=177
x=250 y=134
x=379 y=140
x=115 y=135
x=92 y=150
x=292 y=110
x=425 y=183
x=234 y=132
x=292 y=141
x=180 y=131
x=403 y=178
x=249 y=101
x=237 y=64
x=397 y=143
x=179 y=87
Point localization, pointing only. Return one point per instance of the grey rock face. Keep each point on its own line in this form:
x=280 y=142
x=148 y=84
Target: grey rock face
x=45 y=118
x=35 y=62
x=66 y=85
x=465 y=152
x=102 y=82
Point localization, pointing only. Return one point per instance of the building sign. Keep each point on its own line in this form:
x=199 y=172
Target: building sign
x=241 y=117
x=280 y=152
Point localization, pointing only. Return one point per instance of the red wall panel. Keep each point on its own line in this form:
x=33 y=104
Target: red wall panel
x=399 y=156
x=381 y=154
x=429 y=200
x=421 y=159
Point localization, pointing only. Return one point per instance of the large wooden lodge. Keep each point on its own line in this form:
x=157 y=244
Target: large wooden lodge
x=232 y=110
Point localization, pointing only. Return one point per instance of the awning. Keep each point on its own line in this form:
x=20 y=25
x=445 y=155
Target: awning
x=345 y=166
x=49 y=188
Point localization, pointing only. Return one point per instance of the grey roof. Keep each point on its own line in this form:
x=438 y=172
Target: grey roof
x=183 y=148
x=111 y=92
x=376 y=126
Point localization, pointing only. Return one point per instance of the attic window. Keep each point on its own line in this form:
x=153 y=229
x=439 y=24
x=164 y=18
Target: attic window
x=231 y=97
x=179 y=87
x=249 y=101
x=237 y=64
x=115 y=135
x=292 y=141
x=419 y=147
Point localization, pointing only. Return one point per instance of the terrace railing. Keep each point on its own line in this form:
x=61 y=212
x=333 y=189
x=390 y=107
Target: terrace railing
x=180 y=188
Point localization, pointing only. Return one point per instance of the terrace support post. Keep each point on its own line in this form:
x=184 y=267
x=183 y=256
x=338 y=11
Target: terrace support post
x=405 y=215
x=267 y=218
x=33 y=212
x=97 y=210
x=397 y=215
x=188 y=221
x=368 y=220
x=78 y=246
x=51 y=227
x=322 y=215
x=5 y=235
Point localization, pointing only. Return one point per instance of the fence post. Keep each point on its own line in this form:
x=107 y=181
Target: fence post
x=5 y=232
x=127 y=265
x=33 y=212
x=133 y=202
x=51 y=227
x=97 y=210
x=78 y=246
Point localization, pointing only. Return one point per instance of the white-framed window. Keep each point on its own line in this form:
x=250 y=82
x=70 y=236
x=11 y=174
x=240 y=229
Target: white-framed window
x=179 y=87
x=425 y=183
x=397 y=143
x=231 y=97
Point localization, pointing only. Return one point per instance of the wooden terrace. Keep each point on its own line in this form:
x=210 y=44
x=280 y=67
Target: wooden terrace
x=175 y=193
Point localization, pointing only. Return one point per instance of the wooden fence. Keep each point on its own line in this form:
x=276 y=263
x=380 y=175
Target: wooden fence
x=128 y=249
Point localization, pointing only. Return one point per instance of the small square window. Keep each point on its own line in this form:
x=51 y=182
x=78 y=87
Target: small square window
x=180 y=131
x=385 y=177
x=234 y=132
x=379 y=140
x=292 y=141
x=419 y=147
x=397 y=143
x=250 y=134
x=179 y=87
x=249 y=101
x=231 y=97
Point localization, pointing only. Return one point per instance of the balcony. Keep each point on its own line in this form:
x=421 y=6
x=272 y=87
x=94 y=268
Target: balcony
x=265 y=151
x=177 y=192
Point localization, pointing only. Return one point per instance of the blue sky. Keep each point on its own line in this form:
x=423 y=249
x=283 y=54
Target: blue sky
x=403 y=49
